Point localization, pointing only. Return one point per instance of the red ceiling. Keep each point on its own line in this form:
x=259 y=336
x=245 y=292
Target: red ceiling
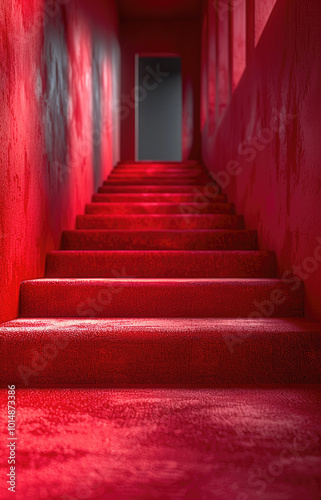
x=160 y=9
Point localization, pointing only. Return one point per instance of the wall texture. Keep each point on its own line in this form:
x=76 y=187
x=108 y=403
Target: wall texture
x=59 y=79
x=153 y=37
x=271 y=133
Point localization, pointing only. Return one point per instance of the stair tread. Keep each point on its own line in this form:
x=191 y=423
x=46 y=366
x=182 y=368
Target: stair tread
x=157 y=216
x=174 y=188
x=163 y=253
x=157 y=301
x=156 y=208
x=144 y=182
x=157 y=231
x=166 y=164
x=153 y=325
x=171 y=282
x=203 y=352
x=131 y=172
x=159 y=174
x=160 y=221
x=168 y=443
x=157 y=203
x=149 y=199
x=169 y=180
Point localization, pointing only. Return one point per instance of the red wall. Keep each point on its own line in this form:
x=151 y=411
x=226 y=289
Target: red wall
x=162 y=37
x=59 y=79
x=271 y=132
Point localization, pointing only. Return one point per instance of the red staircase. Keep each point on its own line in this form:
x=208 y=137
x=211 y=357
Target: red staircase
x=160 y=283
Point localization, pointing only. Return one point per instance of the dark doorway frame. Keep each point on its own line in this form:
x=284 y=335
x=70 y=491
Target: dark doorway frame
x=154 y=55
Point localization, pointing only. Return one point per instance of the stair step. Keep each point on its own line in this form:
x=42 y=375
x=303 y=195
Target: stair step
x=196 y=201
x=151 y=352
x=168 y=442
x=160 y=240
x=173 y=172
x=161 y=165
x=191 y=189
x=152 y=222
x=196 y=170
x=185 y=209
x=161 y=298
x=155 y=181
x=164 y=264
x=176 y=172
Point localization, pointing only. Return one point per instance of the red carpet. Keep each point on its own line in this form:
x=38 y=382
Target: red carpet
x=162 y=284
x=175 y=250
x=218 y=444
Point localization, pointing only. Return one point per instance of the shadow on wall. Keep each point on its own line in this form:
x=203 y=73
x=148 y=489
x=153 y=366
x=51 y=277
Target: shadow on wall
x=60 y=80
x=270 y=139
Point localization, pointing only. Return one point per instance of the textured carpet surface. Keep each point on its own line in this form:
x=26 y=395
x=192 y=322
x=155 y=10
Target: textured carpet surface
x=179 y=351
x=161 y=264
x=162 y=285
x=224 y=444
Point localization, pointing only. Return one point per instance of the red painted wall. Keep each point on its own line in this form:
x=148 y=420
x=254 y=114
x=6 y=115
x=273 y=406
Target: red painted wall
x=180 y=37
x=60 y=64
x=271 y=132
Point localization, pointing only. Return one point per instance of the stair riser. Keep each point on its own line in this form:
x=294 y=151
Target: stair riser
x=156 y=181
x=159 y=240
x=157 y=256
x=152 y=222
x=161 y=198
x=176 y=172
x=195 y=172
x=195 y=190
x=159 y=173
x=167 y=299
x=161 y=265
x=161 y=165
x=159 y=208
x=202 y=359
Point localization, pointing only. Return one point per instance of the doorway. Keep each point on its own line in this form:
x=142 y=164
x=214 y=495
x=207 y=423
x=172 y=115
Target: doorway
x=159 y=110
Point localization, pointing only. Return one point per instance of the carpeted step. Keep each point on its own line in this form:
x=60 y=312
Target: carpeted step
x=188 y=172
x=185 y=209
x=152 y=222
x=197 y=201
x=161 y=264
x=208 y=191
x=167 y=443
x=173 y=172
x=160 y=298
x=161 y=165
x=220 y=239
x=155 y=181
x=153 y=352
